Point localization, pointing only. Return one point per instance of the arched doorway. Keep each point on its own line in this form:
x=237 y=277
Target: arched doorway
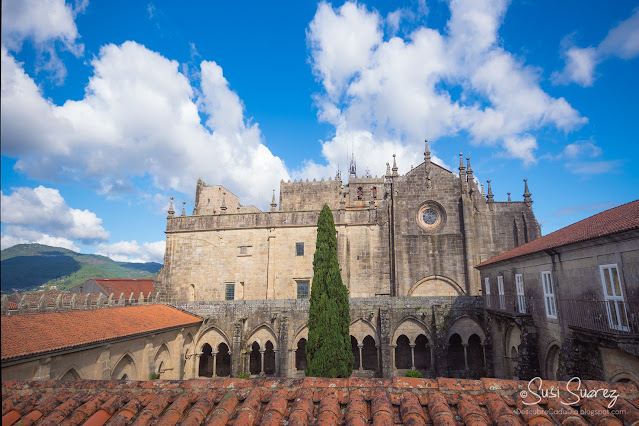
x=403 y=358
x=369 y=354
x=300 y=355
x=223 y=361
x=475 y=356
x=552 y=362
x=422 y=353
x=255 y=359
x=269 y=358
x=456 y=359
x=70 y=376
x=206 y=361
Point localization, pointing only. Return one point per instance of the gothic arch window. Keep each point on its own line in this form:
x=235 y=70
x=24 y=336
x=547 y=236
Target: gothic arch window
x=369 y=354
x=402 y=353
x=191 y=296
x=422 y=353
x=360 y=193
x=475 y=356
x=70 y=376
x=223 y=361
x=456 y=361
x=255 y=359
x=552 y=362
x=206 y=361
x=269 y=358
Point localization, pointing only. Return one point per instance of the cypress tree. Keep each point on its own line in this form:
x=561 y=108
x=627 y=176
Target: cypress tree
x=328 y=350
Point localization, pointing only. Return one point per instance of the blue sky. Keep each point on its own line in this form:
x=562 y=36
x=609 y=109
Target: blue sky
x=110 y=108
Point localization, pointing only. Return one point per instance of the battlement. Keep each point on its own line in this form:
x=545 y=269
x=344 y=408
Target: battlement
x=310 y=195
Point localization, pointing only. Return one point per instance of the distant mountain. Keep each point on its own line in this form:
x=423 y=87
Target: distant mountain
x=28 y=266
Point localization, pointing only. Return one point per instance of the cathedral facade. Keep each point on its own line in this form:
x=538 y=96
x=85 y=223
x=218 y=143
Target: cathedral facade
x=407 y=247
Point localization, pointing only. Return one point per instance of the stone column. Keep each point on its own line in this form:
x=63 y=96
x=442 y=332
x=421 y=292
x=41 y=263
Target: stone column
x=387 y=349
x=412 y=356
x=196 y=362
x=292 y=368
x=360 y=346
x=214 y=364
x=465 y=345
x=261 y=362
x=393 y=369
x=103 y=366
x=277 y=362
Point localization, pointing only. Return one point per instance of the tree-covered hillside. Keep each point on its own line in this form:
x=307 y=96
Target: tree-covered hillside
x=28 y=266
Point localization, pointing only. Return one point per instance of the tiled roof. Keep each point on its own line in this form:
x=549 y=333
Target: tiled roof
x=619 y=219
x=28 y=334
x=126 y=286
x=275 y=401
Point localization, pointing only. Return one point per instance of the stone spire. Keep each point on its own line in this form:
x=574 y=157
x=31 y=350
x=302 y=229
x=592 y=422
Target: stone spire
x=171 y=211
x=482 y=190
x=527 y=200
x=490 y=198
x=508 y=196
x=273 y=203
x=394 y=166
x=388 y=170
x=462 y=173
x=426 y=152
x=469 y=171
x=183 y=208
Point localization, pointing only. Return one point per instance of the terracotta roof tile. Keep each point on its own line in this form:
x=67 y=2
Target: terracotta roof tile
x=290 y=401
x=618 y=219
x=127 y=286
x=28 y=334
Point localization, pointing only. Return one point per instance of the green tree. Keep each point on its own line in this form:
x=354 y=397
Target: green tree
x=328 y=350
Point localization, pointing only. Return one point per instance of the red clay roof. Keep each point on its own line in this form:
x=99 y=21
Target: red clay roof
x=29 y=334
x=618 y=219
x=273 y=401
x=126 y=286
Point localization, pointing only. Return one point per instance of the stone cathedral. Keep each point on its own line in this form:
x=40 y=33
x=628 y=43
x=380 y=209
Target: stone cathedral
x=407 y=247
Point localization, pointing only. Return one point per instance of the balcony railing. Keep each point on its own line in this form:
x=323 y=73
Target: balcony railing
x=507 y=304
x=608 y=317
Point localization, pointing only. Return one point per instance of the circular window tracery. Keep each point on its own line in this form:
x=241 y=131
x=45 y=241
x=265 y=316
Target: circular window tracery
x=431 y=216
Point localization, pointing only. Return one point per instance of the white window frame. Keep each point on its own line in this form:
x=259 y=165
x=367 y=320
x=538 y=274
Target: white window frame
x=619 y=317
x=549 y=294
x=500 y=289
x=487 y=283
x=521 y=298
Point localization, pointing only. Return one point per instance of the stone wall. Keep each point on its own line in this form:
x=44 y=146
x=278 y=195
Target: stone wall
x=239 y=324
x=136 y=357
x=579 y=341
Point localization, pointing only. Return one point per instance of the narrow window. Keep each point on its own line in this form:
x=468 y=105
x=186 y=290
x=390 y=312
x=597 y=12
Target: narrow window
x=299 y=249
x=487 y=292
x=302 y=289
x=549 y=294
x=502 y=296
x=244 y=250
x=521 y=299
x=613 y=295
x=230 y=291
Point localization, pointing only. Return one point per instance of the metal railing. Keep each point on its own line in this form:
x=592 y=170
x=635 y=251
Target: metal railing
x=507 y=303
x=605 y=316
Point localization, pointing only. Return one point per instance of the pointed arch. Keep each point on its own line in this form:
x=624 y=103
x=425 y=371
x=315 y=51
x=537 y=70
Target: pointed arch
x=71 y=375
x=360 y=328
x=436 y=285
x=212 y=335
x=125 y=367
x=162 y=365
x=262 y=334
x=302 y=333
x=411 y=327
x=466 y=326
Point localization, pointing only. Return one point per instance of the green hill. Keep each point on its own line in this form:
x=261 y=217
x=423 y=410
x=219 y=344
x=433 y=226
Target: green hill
x=26 y=267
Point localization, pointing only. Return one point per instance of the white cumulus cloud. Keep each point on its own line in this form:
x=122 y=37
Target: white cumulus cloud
x=384 y=93
x=132 y=251
x=139 y=117
x=622 y=42
x=41 y=215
